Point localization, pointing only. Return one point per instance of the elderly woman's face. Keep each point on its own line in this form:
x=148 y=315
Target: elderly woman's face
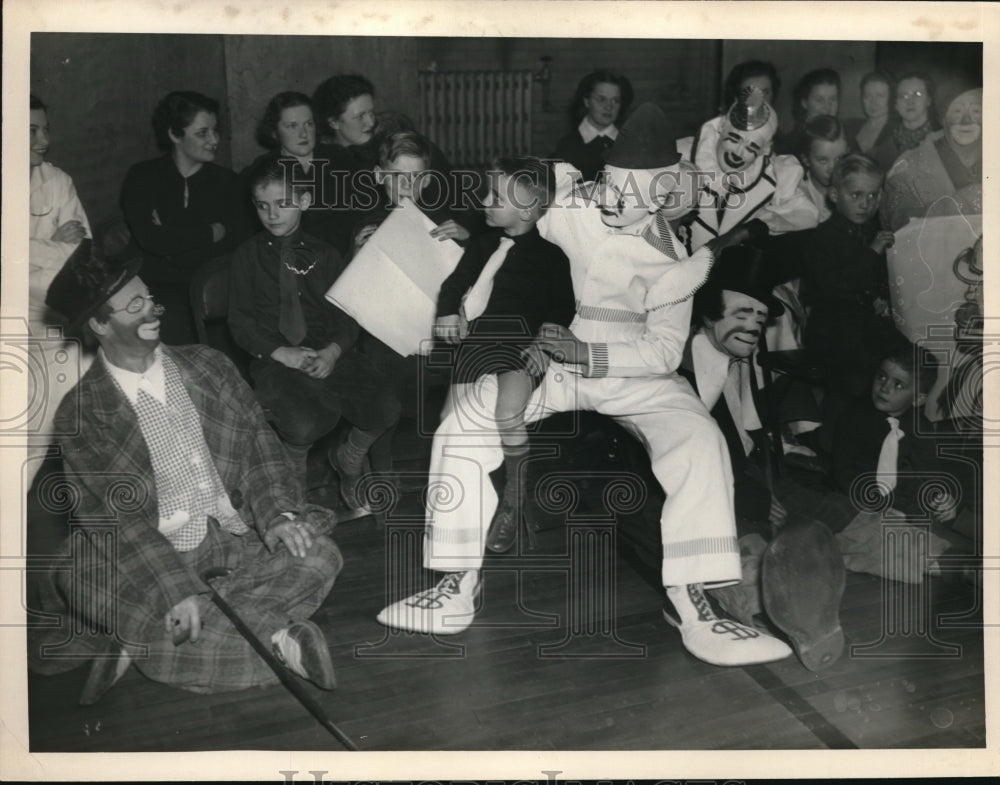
x=875 y=99
x=603 y=104
x=296 y=131
x=913 y=101
x=356 y=124
x=963 y=121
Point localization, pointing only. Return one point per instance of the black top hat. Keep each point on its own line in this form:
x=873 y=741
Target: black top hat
x=86 y=282
x=645 y=141
x=740 y=268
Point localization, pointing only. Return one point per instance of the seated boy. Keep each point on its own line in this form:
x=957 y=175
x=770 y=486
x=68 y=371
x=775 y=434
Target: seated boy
x=508 y=283
x=303 y=368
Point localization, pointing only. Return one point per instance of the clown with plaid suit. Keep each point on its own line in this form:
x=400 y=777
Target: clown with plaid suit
x=174 y=472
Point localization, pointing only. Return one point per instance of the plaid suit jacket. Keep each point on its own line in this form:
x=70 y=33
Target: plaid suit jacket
x=108 y=465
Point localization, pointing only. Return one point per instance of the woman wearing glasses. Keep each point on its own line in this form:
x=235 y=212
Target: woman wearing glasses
x=914 y=118
x=57 y=221
x=182 y=208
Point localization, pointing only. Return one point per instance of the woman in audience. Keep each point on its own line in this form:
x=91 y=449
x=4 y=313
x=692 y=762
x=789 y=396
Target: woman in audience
x=182 y=208
x=600 y=99
x=752 y=73
x=874 y=129
x=288 y=131
x=948 y=163
x=345 y=113
x=817 y=93
x=912 y=103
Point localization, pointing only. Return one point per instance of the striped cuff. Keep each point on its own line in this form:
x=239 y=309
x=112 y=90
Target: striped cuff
x=598 y=360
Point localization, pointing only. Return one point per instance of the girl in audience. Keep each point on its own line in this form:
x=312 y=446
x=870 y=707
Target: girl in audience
x=182 y=208
x=817 y=93
x=874 y=129
x=912 y=102
x=601 y=98
x=752 y=73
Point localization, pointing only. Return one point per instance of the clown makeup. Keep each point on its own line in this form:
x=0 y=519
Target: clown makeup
x=626 y=196
x=739 y=329
x=963 y=121
x=738 y=150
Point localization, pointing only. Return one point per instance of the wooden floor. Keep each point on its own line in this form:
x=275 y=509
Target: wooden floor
x=548 y=666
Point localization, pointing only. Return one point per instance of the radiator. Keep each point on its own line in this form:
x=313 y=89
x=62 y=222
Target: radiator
x=475 y=116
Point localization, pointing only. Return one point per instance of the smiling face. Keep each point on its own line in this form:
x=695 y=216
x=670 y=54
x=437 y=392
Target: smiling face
x=400 y=177
x=39 y=135
x=857 y=198
x=198 y=142
x=738 y=150
x=963 y=122
x=875 y=99
x=821 y=159
x=739 y=329
x=603 y=104
x=822 y=99
x=912 y=102
x=279 y=215
x=129 y=337
x=296 y=131
x=894 y=389
x=357 y=122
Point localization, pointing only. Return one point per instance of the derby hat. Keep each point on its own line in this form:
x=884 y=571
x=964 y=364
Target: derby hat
x=646 y=141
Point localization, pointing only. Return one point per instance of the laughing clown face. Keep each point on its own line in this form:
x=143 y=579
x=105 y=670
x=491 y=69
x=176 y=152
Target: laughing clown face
x=746 y=132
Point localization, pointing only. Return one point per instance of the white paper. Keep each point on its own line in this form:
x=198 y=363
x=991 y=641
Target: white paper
x=391 y=286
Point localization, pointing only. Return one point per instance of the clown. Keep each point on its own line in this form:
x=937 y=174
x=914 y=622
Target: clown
x=741 y=184
x=634 y=284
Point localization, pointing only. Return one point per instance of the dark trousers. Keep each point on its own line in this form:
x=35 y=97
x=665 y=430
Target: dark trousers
x=306 y=409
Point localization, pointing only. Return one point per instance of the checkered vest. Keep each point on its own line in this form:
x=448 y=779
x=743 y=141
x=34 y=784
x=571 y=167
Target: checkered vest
x=188 y=486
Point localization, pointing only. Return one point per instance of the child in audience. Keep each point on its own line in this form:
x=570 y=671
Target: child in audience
x=823 y=143
x=303 y=367
x=507 y=284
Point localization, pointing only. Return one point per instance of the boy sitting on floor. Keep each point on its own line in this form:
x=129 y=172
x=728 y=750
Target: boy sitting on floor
x=303 y=368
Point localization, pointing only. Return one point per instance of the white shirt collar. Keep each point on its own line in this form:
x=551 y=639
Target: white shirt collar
x=589 y=132
x=130 y=382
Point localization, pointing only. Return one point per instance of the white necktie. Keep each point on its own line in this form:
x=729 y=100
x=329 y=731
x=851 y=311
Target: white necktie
x=739 y=399
x=475 y=300
x=888 y=457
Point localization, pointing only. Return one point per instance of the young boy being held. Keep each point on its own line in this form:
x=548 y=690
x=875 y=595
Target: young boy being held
x=507 y=284
x=303 y=367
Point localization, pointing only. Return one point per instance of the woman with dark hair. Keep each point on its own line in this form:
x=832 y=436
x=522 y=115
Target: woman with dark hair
x=752 y=73
x=914 y=118
x=344 y=106
x=182 y=208
x=874 y=128
x=600 y=99
x=816 y=93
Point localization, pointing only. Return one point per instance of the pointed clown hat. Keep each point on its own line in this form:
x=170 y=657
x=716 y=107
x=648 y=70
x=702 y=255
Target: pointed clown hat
x=750 y=111
x=647 y=140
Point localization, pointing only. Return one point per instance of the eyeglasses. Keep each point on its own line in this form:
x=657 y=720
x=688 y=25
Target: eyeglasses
x=914 y=94
x=135 y=305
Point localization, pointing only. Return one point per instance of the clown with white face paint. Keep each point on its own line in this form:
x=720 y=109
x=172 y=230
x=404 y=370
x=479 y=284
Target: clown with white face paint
x=948 y=163
x=741 y=184
x=633 y=281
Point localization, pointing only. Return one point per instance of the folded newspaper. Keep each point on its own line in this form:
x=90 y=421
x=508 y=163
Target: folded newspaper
x=391 y=286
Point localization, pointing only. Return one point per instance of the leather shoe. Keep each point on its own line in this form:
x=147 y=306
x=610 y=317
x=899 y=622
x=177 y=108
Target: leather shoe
x=503 y=528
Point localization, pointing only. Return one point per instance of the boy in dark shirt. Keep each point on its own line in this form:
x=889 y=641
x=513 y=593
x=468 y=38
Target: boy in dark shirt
x=507 y=284
x=304 y=369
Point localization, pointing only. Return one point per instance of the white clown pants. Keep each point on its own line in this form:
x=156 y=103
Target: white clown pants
x=686 y=449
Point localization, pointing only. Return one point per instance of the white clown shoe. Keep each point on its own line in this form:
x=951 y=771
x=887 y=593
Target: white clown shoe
x=714 y=640
x=446 y=609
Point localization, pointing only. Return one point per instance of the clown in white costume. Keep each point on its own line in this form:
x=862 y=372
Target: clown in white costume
x=740 y=180
x=633 y=282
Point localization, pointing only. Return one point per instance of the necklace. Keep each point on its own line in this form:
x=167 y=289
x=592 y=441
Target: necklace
x=297 y=271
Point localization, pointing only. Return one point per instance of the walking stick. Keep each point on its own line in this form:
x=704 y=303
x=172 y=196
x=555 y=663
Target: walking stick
x=280 y=670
